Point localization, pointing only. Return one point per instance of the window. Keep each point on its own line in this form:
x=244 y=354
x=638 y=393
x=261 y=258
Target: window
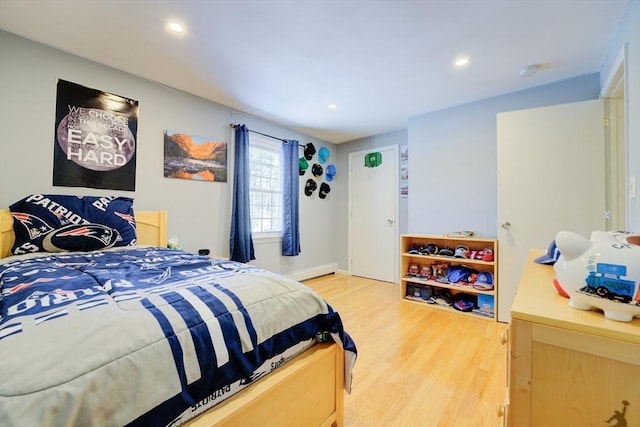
x=265 y=187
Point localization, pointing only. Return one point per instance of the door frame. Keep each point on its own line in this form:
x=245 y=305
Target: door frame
x=614 y=90
x=396 y=205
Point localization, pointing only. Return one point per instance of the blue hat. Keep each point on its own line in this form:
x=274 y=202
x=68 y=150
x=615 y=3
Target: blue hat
x=330 y=172
x=323 y=155
x=484 y=281
x=459 y=273
x=551 y=256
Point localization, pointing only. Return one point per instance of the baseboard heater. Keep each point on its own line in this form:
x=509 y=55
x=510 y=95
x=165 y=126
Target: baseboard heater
x=312 y=272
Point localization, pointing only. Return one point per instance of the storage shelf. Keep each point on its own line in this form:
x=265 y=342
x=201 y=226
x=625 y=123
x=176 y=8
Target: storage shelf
x=450 y=259
x=488 y=297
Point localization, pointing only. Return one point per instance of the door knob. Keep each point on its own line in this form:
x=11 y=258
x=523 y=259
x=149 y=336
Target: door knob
x=389 y=221
x=506 y=225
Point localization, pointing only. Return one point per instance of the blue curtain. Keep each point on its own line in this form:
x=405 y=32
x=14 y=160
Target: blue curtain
x=241 y=243
x=290 y=197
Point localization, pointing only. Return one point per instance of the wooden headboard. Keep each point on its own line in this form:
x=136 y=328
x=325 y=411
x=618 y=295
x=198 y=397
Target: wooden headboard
x=151 y=229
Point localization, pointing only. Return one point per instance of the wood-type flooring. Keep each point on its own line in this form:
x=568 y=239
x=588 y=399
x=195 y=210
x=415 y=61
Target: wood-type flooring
x=417 y=366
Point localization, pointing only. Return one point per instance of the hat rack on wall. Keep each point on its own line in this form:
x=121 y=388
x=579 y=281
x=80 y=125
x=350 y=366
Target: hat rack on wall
x=313 y=160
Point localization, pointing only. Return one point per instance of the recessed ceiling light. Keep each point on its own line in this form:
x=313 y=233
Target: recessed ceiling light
x=332 y=106
x=462 y=61
x=175 y=27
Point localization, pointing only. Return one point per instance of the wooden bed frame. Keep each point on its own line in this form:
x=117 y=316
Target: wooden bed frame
x=306 y=391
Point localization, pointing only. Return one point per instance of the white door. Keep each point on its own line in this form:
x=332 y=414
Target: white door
x=373 y=207
x=550 y=178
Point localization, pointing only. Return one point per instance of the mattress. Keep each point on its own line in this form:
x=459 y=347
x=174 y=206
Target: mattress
x=145 y=336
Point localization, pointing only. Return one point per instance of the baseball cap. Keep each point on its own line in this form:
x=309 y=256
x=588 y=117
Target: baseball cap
x=459 y=273
x=323 y=154
x=464 y=302
x=309 y=151
x=316 y=169
x=461 y=251
x=331 y=172
x=551 y=256
x=484 y=281
x=324 y=189
x=310 y=187
x=445 y=252
x=429 y=249
x=302 y=165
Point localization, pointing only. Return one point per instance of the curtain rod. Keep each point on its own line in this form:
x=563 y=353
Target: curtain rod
x=233 y=125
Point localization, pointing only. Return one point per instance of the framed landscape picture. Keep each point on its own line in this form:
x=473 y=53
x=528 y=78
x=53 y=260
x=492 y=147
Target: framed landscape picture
x=194 y=157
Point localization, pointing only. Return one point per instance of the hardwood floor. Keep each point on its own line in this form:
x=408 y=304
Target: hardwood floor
x=417 y=366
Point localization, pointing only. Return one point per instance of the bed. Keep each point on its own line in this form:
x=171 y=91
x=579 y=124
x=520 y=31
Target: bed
x=142 y=383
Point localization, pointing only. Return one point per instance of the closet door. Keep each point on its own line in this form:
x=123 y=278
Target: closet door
x=551 y=177
x=373 y=207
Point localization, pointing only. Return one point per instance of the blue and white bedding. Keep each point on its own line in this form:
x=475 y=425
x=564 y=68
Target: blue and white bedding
x=144 y=336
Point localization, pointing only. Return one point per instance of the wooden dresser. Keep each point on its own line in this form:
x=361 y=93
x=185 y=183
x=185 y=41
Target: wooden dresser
x=568 y=367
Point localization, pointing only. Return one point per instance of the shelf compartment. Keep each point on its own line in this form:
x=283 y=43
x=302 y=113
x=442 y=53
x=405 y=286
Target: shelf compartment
x=452 y=286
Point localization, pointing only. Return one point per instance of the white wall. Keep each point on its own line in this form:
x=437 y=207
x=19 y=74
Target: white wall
x=629 y=34
x=199 y=212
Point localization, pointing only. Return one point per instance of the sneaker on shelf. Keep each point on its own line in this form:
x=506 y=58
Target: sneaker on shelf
x=414 y=269
x=425 y=272
x=444 y=298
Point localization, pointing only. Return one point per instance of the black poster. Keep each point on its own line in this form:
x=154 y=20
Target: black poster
x=95 y=139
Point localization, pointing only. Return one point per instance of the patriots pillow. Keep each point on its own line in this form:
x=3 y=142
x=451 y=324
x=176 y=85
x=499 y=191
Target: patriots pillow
x=56 y=223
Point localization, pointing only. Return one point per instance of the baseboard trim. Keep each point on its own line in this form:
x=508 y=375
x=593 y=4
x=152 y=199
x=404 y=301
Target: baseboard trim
x=312 y=272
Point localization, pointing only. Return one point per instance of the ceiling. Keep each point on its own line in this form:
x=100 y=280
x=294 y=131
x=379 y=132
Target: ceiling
x=380 y=61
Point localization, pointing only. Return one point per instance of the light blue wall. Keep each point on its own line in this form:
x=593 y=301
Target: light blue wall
x=199 y=212
x=629 y=35
x=452 y=160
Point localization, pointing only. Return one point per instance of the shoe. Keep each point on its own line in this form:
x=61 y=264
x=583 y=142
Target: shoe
x=414 y=269
x=425 y=272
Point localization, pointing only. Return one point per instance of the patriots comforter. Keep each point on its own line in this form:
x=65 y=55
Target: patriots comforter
x=144 y=336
